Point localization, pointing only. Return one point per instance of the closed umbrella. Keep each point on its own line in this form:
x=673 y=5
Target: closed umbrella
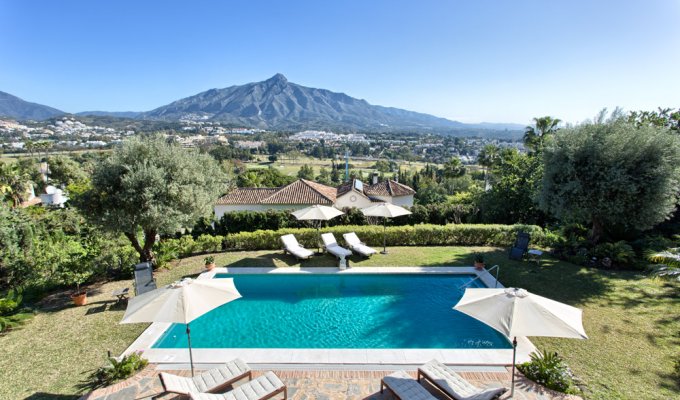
x=385 y=210
x=181 y=302
x=516 y=312
x=317 y=213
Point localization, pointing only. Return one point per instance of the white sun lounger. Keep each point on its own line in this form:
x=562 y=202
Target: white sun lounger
x=404 y=387
x=449 y=382
x=261 y=388
x=211 y=381
x=291 y=245
x=333 y=247
x=357 y=245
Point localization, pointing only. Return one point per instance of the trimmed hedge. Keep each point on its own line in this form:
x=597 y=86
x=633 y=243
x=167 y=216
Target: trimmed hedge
x=251 y=221
x=412 y=235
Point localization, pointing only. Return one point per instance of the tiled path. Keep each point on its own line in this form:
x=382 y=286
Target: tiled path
x=324 y=385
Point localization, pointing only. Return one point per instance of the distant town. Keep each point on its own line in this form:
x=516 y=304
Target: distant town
x=72 y=133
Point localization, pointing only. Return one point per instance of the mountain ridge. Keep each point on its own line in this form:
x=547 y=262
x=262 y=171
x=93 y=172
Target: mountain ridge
x=14 y=107
x=279 y=104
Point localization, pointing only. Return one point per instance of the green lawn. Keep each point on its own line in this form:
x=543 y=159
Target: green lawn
x=291 y=167
x=633 y=324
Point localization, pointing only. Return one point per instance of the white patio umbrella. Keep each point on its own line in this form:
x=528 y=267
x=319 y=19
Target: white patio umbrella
x=317 y=213
x=516 y=312
x=385 y=210
x=181 y=302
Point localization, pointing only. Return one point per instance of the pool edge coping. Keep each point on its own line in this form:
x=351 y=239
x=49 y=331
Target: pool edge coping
x=146 y=339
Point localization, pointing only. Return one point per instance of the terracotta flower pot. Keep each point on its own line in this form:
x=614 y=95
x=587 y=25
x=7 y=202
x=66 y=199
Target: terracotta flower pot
x=210 y=266
x=479 y=266
x=79 y=299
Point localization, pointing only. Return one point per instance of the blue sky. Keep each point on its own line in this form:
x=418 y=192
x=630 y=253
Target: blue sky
x=472 y=61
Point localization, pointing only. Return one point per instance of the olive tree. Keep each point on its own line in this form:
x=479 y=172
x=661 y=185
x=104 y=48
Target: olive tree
x=149 y=187
x=611 y=174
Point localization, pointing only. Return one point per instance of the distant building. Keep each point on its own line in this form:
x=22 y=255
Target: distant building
x=53 y=196
x=303 y=193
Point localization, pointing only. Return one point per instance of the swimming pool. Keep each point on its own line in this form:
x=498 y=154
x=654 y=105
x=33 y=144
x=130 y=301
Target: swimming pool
x=340 y=311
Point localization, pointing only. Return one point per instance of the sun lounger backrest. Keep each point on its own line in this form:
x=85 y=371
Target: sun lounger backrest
x=144 y=281
x=328 y=239
x=351 y=238
x=290 y=240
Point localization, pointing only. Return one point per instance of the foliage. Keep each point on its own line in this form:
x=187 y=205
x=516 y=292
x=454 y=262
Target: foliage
x=65 y=171
x=667 y=263
x=663 y=117
x=535 y=136
x=209 y=260
x=611 y=175
x=12 y=314
x=13 y=184
x=550 y=370
x=306 y=172
x=118 y=369
x=614 y=254
x=460 y=209
x=478 y=258
x=515 y=181
x=265 y=177
x=151 y=186
x=418 y=235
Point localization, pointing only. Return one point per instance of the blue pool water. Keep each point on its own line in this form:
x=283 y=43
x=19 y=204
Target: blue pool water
x=377 y=311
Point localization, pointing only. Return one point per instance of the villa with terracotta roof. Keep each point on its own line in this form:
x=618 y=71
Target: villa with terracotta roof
x=303 y=193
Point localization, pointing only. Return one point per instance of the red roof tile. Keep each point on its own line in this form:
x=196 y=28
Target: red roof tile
x=388 y=188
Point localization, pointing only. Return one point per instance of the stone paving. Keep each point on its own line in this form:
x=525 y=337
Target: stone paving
x=325 y=385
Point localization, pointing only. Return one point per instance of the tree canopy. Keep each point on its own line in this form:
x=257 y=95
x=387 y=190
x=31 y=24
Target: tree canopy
x=150 y=186
x=534 y=136
x=612 y=175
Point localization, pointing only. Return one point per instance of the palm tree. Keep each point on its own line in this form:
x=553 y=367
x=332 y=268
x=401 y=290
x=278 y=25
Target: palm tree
x=13 y=183
x=535 y=135
x=668 y=263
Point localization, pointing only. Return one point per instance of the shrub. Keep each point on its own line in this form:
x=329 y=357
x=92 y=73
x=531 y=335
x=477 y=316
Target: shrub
x=620 y=254
x=208 y=243
x=550 y=370
x=186 y=246
x=11 y=313
x=118 y=369
x=418 y=235
x=251 y=221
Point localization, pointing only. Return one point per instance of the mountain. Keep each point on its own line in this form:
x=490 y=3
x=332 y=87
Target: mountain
x=120 y=114
x=279 y=104
x=14 y=107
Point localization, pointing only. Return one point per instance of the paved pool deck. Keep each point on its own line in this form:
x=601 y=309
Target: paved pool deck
x=329 y=385
x=344 y=358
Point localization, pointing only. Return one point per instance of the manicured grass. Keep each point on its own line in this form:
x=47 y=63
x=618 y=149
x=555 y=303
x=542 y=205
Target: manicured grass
x=633 y=323
x=291 y=167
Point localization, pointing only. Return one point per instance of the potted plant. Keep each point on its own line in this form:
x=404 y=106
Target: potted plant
x=75 y=271
x=209 y=263
x=78 y=277
x=479 y=261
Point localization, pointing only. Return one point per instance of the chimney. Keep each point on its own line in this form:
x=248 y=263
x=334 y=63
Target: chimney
x=375 y=178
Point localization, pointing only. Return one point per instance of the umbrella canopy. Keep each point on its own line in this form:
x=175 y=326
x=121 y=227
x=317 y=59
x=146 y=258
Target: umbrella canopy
x=317 y=212
x=516 y=312
x=385 y=210
x=181 y=302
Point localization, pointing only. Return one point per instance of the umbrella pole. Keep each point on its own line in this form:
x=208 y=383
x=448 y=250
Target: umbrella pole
x=191 y=358
x=514 y=354
x=384 y=236
x=318 y=238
